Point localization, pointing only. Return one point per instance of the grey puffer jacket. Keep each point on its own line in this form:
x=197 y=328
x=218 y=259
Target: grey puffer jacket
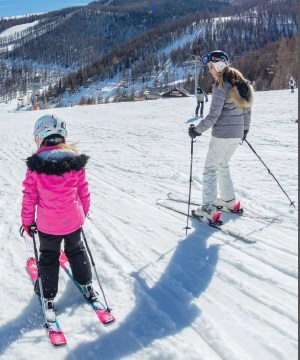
x=201 y=97
x=229 y=114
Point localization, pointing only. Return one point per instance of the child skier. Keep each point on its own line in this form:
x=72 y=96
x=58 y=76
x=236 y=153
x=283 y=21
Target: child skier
x=229 y=117
x=55 y=183
x=201 y=95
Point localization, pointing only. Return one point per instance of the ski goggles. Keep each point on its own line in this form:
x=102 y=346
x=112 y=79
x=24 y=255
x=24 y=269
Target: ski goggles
x=205 y=59
x=213 y=58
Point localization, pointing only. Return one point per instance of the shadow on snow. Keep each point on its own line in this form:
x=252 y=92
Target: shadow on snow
x=27 y=321
x=164 y=309
x=30 y=319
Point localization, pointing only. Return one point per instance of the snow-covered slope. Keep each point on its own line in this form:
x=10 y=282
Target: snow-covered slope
x=16 y=30
x=198 y=297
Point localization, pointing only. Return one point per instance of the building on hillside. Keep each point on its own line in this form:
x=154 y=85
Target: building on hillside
x=153 y=93
x=157 y=93
x=25 y=100
x=175 y=93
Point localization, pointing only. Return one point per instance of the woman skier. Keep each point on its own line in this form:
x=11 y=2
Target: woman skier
x=56 y=186
x=230 y=117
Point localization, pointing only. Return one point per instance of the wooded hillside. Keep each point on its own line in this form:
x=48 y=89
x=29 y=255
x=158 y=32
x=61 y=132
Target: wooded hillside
x=97 y=41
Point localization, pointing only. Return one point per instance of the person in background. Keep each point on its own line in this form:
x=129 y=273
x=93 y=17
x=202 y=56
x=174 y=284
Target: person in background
x=56 y=200
x=229 y=116
x=292 y=84
x=201 y=95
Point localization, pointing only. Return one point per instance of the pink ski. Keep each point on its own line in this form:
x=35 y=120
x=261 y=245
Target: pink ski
x=101 y=311
x=54 y=331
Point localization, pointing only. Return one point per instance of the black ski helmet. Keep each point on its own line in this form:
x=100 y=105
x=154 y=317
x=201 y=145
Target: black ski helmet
x=218 y=57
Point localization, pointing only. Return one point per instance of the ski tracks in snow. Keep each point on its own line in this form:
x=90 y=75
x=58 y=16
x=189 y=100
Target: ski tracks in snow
x=204 y=296
x=230 y=272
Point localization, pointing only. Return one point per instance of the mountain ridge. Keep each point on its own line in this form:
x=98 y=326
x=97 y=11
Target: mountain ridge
x=95 y=42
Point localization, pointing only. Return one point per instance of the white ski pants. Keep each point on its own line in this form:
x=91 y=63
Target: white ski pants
x=217 y=172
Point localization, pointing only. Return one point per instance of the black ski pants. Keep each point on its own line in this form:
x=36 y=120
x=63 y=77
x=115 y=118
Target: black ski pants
x=200 y=103
x=49 y=261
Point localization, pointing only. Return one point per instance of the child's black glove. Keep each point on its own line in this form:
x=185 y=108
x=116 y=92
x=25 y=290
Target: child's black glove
x=28 y=229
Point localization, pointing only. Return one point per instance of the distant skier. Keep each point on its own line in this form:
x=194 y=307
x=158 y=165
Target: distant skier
x=55 y=183
x=292 y=84
x=201 y=95
x=229 y=116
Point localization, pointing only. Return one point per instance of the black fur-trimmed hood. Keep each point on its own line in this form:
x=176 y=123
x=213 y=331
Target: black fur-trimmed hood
x=54 y=166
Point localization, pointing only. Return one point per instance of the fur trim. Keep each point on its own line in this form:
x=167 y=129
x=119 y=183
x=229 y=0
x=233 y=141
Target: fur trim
x=56 y=167
x=239 y=101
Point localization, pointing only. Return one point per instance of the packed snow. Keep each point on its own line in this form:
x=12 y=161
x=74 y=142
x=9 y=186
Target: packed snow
x=204 y=296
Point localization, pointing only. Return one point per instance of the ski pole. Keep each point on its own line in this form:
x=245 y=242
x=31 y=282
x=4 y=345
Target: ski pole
x=190 y=189
x=94 y=266
x=292 y=203
x=32 y=229
x=39 y=277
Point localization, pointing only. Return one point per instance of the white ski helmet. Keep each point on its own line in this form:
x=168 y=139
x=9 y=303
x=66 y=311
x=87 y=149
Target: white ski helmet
x=48 y=125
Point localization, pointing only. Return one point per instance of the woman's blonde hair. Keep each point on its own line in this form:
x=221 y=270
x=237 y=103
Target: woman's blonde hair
x=60 y=141
x=231 y=75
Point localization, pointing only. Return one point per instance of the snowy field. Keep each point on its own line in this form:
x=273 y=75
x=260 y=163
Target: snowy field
x=203 y=296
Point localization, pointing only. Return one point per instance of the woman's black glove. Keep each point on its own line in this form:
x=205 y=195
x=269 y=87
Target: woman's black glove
x=192 y=132
x=245 y=135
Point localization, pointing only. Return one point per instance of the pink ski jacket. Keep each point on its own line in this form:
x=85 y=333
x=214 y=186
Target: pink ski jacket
x=56 y=194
